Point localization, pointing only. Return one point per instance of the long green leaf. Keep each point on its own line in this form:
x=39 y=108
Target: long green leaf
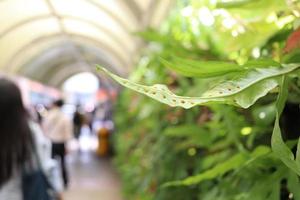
x=242 y=90
x=207 y=69
x=260 y=63
x=234 y=162
x=281 y=150
x=201 y=69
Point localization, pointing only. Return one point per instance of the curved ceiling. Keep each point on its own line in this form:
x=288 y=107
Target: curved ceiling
x=50 y=40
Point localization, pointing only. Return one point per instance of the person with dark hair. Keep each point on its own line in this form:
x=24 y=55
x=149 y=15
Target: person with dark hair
x=58 y=129
x=20 y=144
x=77 y=123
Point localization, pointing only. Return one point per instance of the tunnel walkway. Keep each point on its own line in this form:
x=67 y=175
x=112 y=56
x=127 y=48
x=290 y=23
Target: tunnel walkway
x=91 y=177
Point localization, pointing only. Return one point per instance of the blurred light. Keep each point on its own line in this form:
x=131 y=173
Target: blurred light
x=72 y=145
x=234 y=33
x=206 y=17
x=228 y=22
x=187 y=11
x=89 y=107
x=221 y=12
x=192 y=151
x=241 y=29
x=296 y=13
x=82 y=83
x=271 y=18
x=256 y=52
x=86 y=140
x=246 y=130
x=195 y=26
x=262 y=115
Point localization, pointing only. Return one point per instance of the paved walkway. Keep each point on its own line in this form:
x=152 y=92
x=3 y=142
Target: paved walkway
x=91 y=177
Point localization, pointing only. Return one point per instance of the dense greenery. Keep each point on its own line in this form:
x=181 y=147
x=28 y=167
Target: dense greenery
x=240 y=58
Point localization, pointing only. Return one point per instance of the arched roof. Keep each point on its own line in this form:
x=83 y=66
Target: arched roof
x=50 y=40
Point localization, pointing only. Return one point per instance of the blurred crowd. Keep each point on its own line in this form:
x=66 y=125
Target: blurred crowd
x=33 y=145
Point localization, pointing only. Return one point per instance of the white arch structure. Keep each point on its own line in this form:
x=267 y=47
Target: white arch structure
x=51 y=40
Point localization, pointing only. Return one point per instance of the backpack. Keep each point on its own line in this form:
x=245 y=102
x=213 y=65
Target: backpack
x=35 y=185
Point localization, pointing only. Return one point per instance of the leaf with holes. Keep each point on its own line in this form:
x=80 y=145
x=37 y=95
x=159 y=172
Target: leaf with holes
x=242 y=90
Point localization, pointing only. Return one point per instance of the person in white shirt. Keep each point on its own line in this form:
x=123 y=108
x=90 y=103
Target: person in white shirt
x=58 y=128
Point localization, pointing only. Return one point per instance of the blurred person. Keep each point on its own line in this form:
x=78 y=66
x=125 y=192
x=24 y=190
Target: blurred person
x=58 y=128
x=77 y=123
x=91 y=117
x=24 y=155
x=51 y=166
x=88 y=121
x=38 y=110
x=35 y=115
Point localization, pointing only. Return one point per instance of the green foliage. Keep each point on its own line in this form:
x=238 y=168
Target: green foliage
x=237 y=161
x=215 y=151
